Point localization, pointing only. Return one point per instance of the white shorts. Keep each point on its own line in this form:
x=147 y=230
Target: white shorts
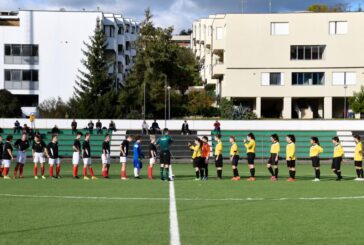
x=76 y=158
x=6 y=163
x=54 y=161
x=39 y=157
x=152 y=160
x=21 y=157
x=105 y=158
x=123 y=159
x=87 y=161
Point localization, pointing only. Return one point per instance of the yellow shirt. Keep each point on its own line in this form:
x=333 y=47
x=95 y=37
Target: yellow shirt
x=250 y=147
x=31 y=118
x=338 y=151
x=196 y=151
x=275 y=148
x=358 y=155
x=316 y=150
x=291 y=151
x=234 y=150
x=218 y=149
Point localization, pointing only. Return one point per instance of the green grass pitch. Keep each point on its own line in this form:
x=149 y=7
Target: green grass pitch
x=69 y=211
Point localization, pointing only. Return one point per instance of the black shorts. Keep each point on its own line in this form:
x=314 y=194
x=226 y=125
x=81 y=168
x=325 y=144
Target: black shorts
x=218 y=161
x=315 y=162
x=336 y=163
x=291 y=163
x=272 y=159
x=235 y=160
x=165 y=157
x=251 y=158
x=197 y=162
x=358 y=164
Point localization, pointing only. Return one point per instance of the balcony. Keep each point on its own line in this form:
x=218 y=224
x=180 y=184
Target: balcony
x=21 y=60
x=218 y=46
x=218 y=70
x=21 y=85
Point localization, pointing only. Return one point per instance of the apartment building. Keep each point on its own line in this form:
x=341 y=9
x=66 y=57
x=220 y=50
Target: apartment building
x=283 y=65
x=42 y=51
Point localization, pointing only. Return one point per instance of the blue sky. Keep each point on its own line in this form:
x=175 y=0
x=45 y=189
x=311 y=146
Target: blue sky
x=179 y=13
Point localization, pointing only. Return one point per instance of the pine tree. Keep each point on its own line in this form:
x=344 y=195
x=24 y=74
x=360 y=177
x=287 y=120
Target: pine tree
x=94 y=93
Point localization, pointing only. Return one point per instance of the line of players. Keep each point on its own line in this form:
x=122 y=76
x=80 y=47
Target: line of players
x=201 y=155
x=41 y=151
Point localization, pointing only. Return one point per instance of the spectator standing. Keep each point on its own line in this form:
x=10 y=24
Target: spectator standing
x=185 y=128
x=17 y=127
x=74 y=126
x=55 y=130
x=90 y=127
x=32 y=120
x=217 y=127
x=145 y=128
x=99 y=127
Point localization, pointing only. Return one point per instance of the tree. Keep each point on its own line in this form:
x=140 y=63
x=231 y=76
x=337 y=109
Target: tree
x=229 y=111
x=9 y=105
x=199 y=102
x=185 y=32
x=53 y=108
x=319 y=8
x=357 y=101
x=158 y=60
x=226 y=108
x=95 y=96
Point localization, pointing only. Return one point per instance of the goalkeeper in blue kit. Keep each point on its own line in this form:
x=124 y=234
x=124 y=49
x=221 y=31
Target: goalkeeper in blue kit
x=138 y=155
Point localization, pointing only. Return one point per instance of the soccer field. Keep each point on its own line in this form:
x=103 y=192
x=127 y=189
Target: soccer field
x=69 y=211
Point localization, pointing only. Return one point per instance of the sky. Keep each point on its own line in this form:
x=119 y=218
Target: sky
x=177 y=13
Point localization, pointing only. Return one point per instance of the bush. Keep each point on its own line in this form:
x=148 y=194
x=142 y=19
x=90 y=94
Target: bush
x=53 y=108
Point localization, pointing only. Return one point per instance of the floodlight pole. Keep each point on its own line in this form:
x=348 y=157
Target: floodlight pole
x=165 y=100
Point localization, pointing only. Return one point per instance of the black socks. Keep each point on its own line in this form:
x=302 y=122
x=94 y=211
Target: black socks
x=292 y=174
x=252 y=172
x=219 y=173
x=317 y=173
x=271 y=171
x=206 y=171
x=276 y=172
x=235 y=172
x=202 y=173
x=197 y=174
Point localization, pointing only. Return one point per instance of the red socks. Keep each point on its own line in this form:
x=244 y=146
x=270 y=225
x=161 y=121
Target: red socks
x=6 y=171
x=75 y=170
x=50 y=171
x=91 y=171
x=123 y=174
x=58 y=170
x=42 y=170
x=35 y=170
x=150 y=172
x=84 y=171
x=21 y=171
x=15 y=171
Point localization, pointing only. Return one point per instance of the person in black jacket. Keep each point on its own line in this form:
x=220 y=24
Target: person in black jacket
x=185 y=128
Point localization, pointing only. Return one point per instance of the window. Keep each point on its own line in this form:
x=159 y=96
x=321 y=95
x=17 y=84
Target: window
x=26 y=50
x=109 y=30
x=308 y=78
x=127 y=60
x=273 y=78
x=7 y=49
x=127 y=45
x=219 y=33
x=338 y=27
x=120 y=49
x=16 y=50
x=120 y=67
x=120 y=30
x=309 y=52
x=21 y=75
x=279 y=28
x=344 y=78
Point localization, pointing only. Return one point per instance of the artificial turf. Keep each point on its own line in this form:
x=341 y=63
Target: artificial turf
x=69 y=211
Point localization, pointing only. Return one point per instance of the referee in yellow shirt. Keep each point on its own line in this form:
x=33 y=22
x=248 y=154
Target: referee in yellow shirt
x=274 y=156
x=337 y=158
x=218 y=156
x=234 y=157
x=358 y=158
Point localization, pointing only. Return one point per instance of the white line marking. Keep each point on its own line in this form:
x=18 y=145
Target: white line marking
x=173 y=218
x=248 y=199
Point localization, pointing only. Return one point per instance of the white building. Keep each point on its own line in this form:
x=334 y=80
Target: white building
x=283 y=65
x=42 y=51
